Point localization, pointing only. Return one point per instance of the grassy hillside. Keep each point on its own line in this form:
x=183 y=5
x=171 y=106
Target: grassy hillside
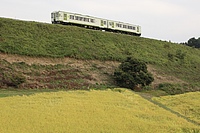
x=47 y=40
x=115 y=111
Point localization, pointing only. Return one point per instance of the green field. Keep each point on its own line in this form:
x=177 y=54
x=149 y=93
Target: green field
x=117 y=111
x=58 y=41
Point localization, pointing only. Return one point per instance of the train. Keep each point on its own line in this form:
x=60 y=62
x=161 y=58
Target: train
x=67 y=18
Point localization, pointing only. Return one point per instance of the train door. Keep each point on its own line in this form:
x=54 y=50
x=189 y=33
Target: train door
x=111 y=24
x=65 y=16
x=104 y=23
x=53 y=17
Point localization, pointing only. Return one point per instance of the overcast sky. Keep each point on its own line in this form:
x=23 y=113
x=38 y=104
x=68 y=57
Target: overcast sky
x=174 y=20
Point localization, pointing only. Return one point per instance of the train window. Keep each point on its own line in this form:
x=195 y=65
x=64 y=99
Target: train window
x=76 y=17
x=71 y=17
x=104 y=22
x=52 y=15
x=57 y=15
x=92 y=20
x=138 y=30
x=86 y=19
x=120 y=25
x=79 y=18
x=125 y=26
x=130 y=27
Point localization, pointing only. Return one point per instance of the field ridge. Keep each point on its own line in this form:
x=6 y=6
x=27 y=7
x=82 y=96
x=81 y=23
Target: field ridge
x=149 y=97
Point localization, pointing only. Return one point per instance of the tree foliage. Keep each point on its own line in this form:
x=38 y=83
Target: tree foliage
x=131 y=73
x=192 y=42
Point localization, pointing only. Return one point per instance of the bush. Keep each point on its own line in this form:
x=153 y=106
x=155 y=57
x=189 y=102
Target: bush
x=12 y=79
x=171 y=89
x=132 y=73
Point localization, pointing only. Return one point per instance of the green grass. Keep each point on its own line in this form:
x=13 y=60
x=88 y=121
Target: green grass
x=17 y=92
x=47 y=40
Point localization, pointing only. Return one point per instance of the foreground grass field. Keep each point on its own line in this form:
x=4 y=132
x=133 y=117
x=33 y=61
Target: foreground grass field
x=186 y=104
x=115 y=111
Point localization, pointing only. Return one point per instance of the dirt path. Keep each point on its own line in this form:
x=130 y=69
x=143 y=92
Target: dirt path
x=37 y=60
x=53 y=61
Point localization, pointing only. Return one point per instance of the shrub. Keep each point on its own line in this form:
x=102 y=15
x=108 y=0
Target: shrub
x=171 y=89
x=12 y=79
x=179 y=56
x=132 y=73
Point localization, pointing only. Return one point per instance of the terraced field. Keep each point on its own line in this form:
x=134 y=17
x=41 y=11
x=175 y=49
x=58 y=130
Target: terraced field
x=187 y=104
x=117 y=110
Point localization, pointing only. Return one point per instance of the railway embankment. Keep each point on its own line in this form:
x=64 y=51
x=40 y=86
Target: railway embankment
x=59 y=42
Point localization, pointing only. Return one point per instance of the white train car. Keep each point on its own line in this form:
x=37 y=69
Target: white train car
x=94 y=22
x=77 y=19
x=120 y=26
x=124 y=27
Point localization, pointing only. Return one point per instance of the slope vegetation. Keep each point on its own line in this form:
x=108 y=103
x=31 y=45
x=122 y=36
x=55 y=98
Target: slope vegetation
x=47 y=40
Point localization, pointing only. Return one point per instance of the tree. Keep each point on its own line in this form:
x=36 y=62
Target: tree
x=131 y=73
x=192 y=42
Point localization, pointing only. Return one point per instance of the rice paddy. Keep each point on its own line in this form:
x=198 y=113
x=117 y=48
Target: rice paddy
x=187 y=104
x=113 y=111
